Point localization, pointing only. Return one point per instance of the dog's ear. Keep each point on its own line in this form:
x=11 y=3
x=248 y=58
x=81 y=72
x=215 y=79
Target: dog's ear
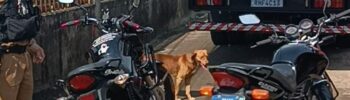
x=193 y=57
x=201 y=52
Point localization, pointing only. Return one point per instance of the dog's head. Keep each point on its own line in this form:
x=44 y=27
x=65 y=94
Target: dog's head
x=201 y=58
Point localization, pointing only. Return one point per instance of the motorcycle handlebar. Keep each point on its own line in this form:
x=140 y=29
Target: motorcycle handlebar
x=341 y=14
x=131 y=24
x=69 y=23
x=126 y=23
x=137 y=27
x=262 y=42
x=75 y=22
x=147 y=30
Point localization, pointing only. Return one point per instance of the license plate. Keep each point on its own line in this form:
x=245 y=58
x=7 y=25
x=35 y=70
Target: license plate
x=227 y=97
x=266 y=3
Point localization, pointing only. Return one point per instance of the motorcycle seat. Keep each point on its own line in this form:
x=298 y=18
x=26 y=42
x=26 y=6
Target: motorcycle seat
x=280 y=72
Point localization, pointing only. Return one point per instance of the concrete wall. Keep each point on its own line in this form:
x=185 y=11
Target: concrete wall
x=65 y=49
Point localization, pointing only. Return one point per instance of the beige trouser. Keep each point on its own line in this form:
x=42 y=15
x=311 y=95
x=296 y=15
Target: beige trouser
x=16 y=77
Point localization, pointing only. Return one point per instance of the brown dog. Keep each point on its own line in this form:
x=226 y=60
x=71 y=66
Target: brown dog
x=182 y=68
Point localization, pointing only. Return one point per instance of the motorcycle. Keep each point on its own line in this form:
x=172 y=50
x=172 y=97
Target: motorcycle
x=123 y=66
x=297 y=71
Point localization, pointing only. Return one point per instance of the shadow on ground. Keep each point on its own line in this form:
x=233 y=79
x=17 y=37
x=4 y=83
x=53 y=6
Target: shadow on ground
x=241 y=54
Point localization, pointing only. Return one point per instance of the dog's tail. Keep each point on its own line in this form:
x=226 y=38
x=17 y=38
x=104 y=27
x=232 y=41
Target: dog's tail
x=161 y=57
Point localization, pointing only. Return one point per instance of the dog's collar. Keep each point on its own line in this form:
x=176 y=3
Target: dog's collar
x=198 y=66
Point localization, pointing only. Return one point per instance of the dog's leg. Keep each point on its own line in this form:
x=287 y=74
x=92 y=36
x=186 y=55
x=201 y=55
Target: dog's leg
x=177 y=87
x=188 y=88
x=173 y=85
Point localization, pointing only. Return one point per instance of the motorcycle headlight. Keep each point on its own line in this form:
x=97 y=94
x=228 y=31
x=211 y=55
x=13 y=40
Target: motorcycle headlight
x=306 y=24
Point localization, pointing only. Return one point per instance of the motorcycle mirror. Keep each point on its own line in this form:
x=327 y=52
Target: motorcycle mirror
x=133 y=4
x=66 y=1
x=136 y=3
x=249 y=19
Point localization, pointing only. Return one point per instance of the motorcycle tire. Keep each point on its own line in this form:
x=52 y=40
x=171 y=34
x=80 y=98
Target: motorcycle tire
x=157 y=93
x=167 y=83
x=320 y=91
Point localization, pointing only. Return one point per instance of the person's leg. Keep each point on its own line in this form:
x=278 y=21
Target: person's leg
x=26 y=87
x=12 y=70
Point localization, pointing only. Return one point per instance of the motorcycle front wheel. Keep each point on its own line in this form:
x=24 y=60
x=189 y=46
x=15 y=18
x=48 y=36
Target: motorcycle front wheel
x=322 y=91
x=158 y=92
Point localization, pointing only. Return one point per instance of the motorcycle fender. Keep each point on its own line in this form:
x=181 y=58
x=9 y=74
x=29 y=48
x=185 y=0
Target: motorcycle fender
x=322 y=90
x=100 y=92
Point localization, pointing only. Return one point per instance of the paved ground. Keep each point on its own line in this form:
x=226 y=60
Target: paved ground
x=340 y=61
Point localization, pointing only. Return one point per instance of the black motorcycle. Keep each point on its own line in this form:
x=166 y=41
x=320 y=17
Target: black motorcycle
x=123 y=66
x=297 y=71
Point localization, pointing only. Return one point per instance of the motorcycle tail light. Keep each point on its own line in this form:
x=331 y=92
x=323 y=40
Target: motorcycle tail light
x=260 y=94
x=217 y=2
x=226 y=80
x=337 y=4
x=206 y=91
x=334 y=4
x=201 y=2
x=87 y=97
x=81 y=82
x=318 y=3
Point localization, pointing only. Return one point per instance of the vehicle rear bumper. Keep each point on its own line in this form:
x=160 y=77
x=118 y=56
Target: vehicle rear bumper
x=231 y=27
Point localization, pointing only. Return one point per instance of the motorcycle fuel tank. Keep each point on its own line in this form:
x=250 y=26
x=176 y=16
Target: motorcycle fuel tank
x=107 y=45
x=290 y=52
